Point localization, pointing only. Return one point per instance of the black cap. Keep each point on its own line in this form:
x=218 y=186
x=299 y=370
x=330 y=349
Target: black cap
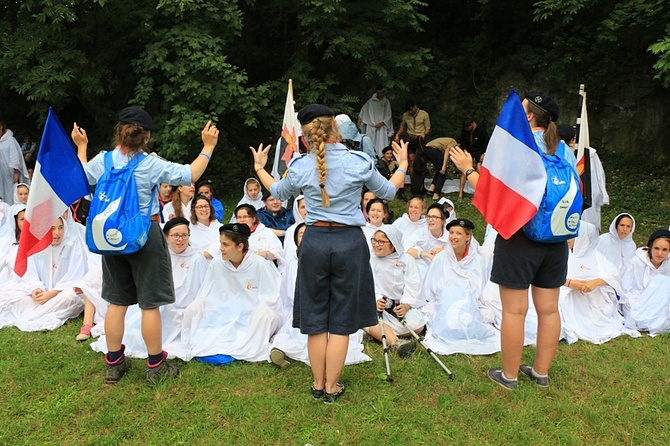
x=462 y=222
x=566 y=132
x=135 y=115
x=387 y=148
x=202 y=183
x=174 y=222
x=266 y=195
x=543 y=101
x=661 y=233
x=310 y=112
x=238 y=228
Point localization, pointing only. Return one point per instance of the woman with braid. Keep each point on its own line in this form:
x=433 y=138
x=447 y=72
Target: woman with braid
x=334 y=295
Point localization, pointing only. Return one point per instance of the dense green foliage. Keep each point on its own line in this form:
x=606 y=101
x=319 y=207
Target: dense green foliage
x=187 y=61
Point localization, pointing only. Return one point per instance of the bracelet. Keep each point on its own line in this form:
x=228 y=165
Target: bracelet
x=421 y=254
x=260 y=168
x=209 y=158
x=266 y=256
x=401 y=170
x=469 y=172
x=569 y=280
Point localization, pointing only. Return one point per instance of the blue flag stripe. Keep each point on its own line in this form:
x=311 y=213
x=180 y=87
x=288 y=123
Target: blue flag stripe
x=59 y=164
x=513 y=120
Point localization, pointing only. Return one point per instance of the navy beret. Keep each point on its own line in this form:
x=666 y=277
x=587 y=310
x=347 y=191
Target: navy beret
x=238 y=228
x=135 y=115
x=310 y=112
x=544 y=102
x=462 y=222
x=174 y=222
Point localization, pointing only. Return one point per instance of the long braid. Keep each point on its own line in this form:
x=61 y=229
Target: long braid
x=316 y=135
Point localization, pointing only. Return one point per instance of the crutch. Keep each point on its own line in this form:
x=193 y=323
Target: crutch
x=389 y=378
x=430 y=352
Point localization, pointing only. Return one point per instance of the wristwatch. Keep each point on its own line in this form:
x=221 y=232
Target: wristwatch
x=468 y=172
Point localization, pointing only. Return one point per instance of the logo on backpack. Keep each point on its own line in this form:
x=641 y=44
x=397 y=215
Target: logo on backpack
x=558 y=216
x=115 y=225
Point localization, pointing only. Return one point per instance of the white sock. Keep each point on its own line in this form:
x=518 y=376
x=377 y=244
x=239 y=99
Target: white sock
x=537 y=375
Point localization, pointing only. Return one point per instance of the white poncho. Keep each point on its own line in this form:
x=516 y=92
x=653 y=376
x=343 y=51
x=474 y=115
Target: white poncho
x=453 y=291
x=236 y=312
x=619 y=252
x=593 y=317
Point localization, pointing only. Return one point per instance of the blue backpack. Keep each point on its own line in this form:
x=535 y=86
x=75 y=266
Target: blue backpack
x=558 y=216
x=114 y=225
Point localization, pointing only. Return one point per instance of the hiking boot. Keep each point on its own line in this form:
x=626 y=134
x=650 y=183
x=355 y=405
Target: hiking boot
x=161 y=371
x=278 y=358
x=498 y=376
x=116 y=369
x=403 y=347
x=84 y=332
x=330 y=398
x=542 y=381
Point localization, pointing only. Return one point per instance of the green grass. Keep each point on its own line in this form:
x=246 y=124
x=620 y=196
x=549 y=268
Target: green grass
x=52 y=391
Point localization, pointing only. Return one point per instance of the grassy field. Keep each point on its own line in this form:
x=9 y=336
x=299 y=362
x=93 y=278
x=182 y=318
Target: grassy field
x=52 y=391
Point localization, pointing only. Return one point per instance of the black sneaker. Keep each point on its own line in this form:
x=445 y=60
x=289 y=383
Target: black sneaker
x=403 y=347
x=330 y=398
x=161 y=371
x=542 y=381
x=317 y=393
x=116 y=369
x=278 y=358
x=497 y=376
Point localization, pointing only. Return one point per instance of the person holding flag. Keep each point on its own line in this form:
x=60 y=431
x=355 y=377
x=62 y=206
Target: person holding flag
x=508 y=198
x=143 y=277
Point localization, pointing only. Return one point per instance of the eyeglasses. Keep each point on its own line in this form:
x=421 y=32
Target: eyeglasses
x=179 y=236
x=433 y=217
x=201 y=207
x=379 y=242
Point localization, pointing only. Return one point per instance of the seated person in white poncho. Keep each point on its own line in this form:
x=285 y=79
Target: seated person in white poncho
x=618 y=245
x=646 y=286
x=50 y=277
x=588 y=301
x=9 y=245
x=425 y=244
x=253 y=195
x=204 y=227
x=413 y=219
x=453 y=290
x=299 y=213
x=237 y=309
x=289 y=343
x=377 y=211
x=397 y=290
x=189 y=268
x=262 y=241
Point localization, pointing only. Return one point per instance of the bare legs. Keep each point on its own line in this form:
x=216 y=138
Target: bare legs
x=327 y=353
x=89 y=311
x=151 y=328
x=115 y=324
x=515 y=307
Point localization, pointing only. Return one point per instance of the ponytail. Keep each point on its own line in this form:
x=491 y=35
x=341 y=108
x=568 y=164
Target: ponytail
x=543 y=119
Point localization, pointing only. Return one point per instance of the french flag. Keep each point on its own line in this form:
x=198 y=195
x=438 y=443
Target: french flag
x=512 y=178
x=58 y=181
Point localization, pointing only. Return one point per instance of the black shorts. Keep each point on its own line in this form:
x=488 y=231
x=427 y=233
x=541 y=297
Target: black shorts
x=334 y=290
x=520 y=262
x=143 y=277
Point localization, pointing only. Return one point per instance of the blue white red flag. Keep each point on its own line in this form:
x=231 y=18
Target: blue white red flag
x=512 y=178
x=58 y=181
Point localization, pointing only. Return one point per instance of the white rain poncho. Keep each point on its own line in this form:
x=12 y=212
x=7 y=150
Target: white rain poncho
x=263 y=239
x=290 y=249
x=407 y=227
x=290 y=340
x=593 y=317
x=205 y=238
x=619 y=252
x=397 y=278
x=453 y=291
x=188 y=273
x=423 y=240
x=58 y=267
x=236 y=312
x=646 y=294
x=11 y=159
x=9 y=246
x=246 y=199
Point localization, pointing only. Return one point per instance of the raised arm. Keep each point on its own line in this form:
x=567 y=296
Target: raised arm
x=210 y=136
x=80 y=139
x=260 y=159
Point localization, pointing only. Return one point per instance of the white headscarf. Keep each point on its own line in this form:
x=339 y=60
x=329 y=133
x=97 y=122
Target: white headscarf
x=618 y=251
